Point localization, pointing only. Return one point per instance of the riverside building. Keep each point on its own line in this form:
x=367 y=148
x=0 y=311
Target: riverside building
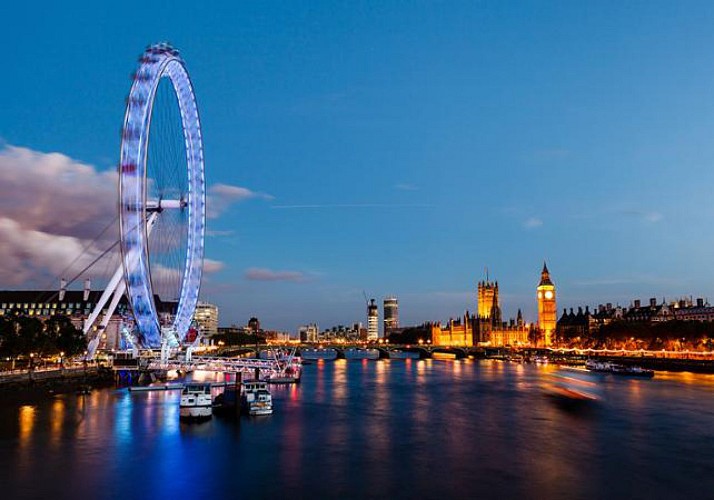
x=372 y=321
x=391 y=315
x=206 y=318
x=487 y=328
x=77 y=305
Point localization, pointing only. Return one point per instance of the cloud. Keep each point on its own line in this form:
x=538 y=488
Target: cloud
x=647 y=216
x=53 y=193
x=222 y=196
x=58 y=214
x=263 y=274
x=351 y=205
x=532 y=223
x=406 y=187
x=212 y=266
x=53 y=208
x=219 y=232
x=32 y=255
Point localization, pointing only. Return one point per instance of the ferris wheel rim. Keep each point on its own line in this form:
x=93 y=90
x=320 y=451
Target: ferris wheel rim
x=157 y=62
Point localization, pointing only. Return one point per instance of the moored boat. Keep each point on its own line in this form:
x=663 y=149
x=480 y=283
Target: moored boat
x=632 y=371
x=618 y=369
x=196 y=403
x=256 y=398
x=598 y=366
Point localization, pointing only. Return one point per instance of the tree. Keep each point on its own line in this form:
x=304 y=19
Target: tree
x=70 y=339
x=30 y=335
x=9 y=342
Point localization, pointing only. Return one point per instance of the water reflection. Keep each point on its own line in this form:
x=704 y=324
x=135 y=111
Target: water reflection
x=412 y=428
x=57 y=418
x=27 y=422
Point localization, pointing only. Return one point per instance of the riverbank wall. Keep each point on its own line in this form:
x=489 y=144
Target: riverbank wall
x=54 y=381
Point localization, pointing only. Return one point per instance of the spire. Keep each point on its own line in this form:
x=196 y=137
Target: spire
x=545 y=276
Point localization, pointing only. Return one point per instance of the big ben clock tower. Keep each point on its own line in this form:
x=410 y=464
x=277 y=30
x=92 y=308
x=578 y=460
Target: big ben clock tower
x=547 y=309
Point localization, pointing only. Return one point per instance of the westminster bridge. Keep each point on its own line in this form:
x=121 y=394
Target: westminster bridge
x=693 y=361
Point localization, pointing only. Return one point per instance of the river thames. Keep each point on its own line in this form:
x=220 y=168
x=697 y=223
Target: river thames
x=366 y=429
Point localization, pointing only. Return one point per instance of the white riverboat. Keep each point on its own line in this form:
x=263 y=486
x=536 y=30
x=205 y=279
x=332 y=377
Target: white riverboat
x=256 y=398
x=196 y=403
x=571 y=386
x=598 y=366
x=618 y=369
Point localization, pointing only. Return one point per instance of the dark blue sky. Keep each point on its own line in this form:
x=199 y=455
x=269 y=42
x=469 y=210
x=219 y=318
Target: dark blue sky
x=406 y=146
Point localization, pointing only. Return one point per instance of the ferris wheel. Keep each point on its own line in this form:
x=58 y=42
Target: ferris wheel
x=162 y=202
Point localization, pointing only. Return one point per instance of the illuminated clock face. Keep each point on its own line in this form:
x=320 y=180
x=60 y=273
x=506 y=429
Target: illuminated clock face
x=548 y=294
x=540 y=295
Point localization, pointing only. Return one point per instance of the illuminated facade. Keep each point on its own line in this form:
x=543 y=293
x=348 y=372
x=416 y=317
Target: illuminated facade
x=485 y=328
x=547 y=307
x=391 y=315
x=487 y=297
x=206 y=317
x=372 y=321
x=308 y=333
x=456 y=333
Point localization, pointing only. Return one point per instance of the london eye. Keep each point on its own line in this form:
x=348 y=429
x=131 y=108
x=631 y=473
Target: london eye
x=161 y=196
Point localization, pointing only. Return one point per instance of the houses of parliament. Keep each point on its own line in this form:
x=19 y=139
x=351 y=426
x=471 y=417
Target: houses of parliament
x=487 y=328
